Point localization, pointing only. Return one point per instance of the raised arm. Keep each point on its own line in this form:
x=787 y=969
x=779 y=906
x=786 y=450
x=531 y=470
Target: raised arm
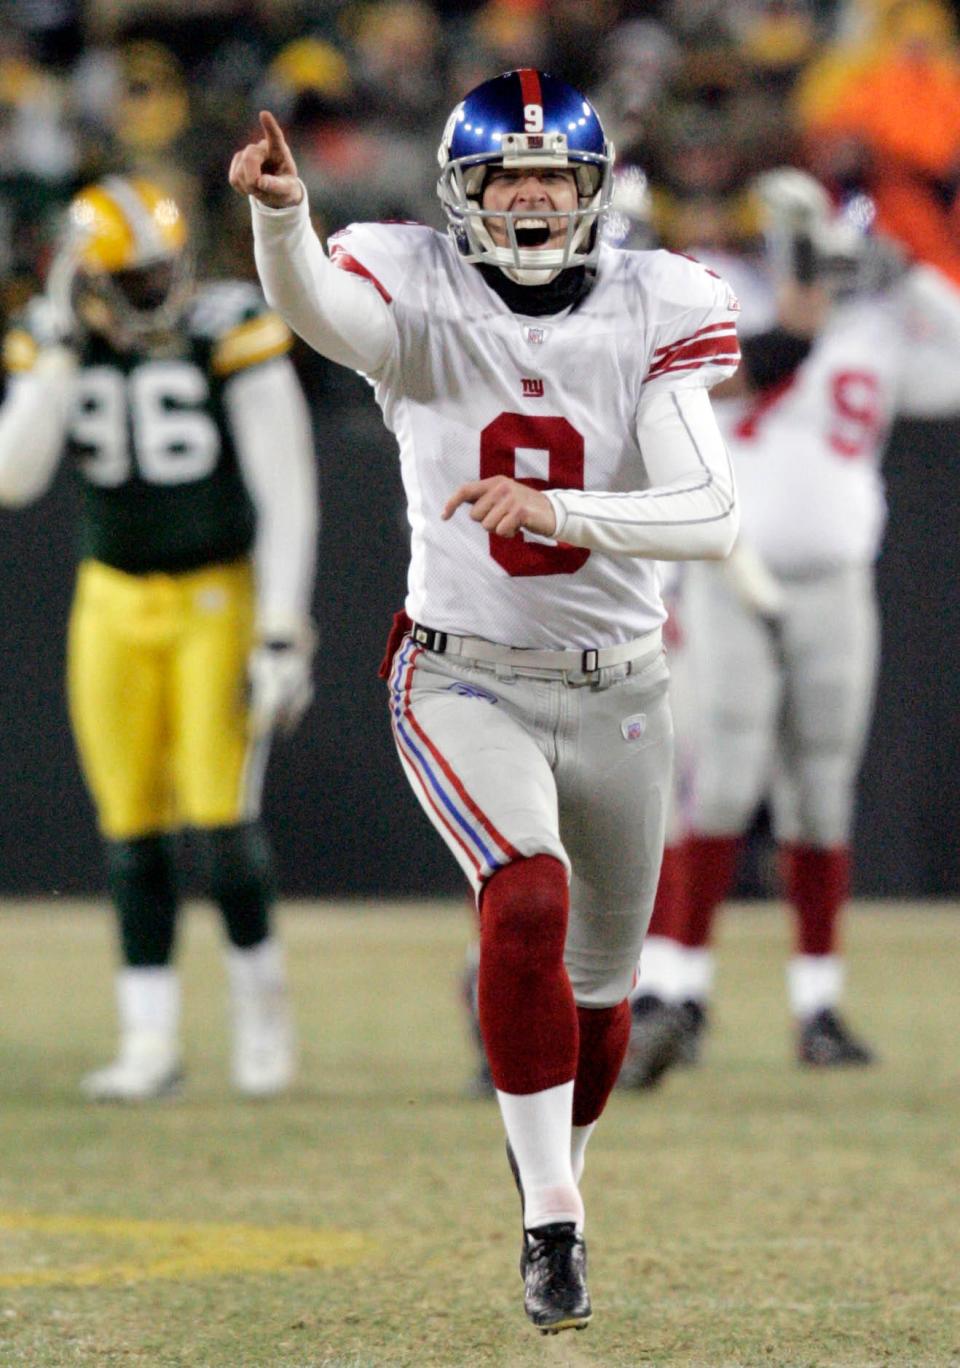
x=340 y=315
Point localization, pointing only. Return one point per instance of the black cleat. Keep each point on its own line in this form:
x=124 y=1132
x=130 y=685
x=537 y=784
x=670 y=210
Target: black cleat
x=826 y=1042
x=693 y=1017
x=658 y=1037
x=555 y=1294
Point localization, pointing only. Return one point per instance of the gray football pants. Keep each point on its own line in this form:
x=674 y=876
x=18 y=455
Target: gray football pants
x=509 y=765
x=782 y=713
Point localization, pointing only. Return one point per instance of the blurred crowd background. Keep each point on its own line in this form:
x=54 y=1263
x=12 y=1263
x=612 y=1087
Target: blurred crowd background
x=698 y=96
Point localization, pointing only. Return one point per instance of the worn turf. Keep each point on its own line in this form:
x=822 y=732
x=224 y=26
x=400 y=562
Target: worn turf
x=748 y=1212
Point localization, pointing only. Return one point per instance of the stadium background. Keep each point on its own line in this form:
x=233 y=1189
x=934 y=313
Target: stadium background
x=698 y=93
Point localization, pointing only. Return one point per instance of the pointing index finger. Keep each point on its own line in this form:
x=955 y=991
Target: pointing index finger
x=273 y=133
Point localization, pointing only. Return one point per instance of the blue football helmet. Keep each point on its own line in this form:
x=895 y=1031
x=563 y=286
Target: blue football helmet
x=524 y=118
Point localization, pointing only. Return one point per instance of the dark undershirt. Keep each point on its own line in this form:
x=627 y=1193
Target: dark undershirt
x=563 y=292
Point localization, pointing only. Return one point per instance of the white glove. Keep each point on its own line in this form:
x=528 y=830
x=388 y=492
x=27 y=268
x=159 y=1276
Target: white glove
x=46 y=323
x=281 y=688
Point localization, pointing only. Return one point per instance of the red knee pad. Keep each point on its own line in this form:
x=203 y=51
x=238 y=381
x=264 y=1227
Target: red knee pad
x=524 y=909
x=528 y=1018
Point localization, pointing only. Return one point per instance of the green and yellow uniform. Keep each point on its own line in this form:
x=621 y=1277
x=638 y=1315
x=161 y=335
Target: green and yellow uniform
x=163 y=615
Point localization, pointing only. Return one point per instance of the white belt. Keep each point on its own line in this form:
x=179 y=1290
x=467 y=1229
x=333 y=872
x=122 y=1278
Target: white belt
x=587 y=661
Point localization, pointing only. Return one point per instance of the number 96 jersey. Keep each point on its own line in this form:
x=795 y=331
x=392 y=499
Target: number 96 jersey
x=149 y=437
x=472 y=390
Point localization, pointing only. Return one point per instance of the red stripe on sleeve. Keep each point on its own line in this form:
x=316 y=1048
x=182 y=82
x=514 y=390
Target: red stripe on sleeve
x=530 y=86
x=696 y=353
x=701 y=332
x=346 y=262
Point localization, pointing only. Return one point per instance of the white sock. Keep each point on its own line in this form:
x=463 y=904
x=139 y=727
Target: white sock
x=674 y=972
x=578 y=1145
x=538 y=1127
x=148 y=1002
x=814 y=982
x=694 y=974
x=656 y=971
x=257 y=969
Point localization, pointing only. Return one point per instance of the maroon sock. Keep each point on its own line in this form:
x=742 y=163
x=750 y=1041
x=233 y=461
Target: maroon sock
x=528 y=1018
x=604 y=1032
x=817 y=883
x=669 y=906
x=711 y=863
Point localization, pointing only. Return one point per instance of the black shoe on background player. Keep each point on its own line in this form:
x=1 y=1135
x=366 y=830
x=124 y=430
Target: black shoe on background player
x=658 y=1037
x=693 y=1021
x=826 y=1042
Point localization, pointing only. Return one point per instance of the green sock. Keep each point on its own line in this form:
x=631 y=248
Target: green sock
x=141 y=876
x=238 y=875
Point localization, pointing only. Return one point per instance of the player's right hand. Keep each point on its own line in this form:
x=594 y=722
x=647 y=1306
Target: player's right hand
x=266 y=169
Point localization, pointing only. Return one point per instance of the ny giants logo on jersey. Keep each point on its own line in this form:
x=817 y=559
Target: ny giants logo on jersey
x=531 y=389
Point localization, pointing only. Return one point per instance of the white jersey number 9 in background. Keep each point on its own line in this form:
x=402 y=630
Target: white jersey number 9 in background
x=160 y=405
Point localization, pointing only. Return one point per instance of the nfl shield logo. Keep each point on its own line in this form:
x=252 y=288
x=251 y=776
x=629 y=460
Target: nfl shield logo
x=535 y=335
x=632 y=728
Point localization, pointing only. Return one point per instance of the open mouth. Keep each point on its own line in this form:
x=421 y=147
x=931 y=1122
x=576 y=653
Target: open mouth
x=532 y=232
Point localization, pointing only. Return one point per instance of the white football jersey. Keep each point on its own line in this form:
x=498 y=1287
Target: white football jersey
x=808 y=452
x=473 y=390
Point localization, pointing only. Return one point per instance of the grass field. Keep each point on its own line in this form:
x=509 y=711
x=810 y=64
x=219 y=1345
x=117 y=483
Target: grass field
x=747 y=1213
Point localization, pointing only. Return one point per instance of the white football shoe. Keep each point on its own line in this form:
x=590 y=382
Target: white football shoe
x=263 y=1060
x=147 y=1069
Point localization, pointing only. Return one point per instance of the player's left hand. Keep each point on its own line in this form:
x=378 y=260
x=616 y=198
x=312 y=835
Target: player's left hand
x=504 y=506
x=281 y=688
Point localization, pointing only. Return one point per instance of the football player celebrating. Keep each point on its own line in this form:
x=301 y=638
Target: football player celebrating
x=783 y=653
x=189 y=637
x=549 y=397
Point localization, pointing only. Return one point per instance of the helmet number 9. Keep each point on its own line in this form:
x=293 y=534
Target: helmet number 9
x=533 y=118
x=161 y=405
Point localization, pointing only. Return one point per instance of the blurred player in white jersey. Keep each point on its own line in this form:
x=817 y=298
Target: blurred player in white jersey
x=782 y=640
x=549 y=397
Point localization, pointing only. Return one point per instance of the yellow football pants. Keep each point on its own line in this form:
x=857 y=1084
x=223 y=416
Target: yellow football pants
x=156 y=673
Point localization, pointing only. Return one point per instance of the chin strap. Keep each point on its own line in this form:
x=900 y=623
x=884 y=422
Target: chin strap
x=565 y=291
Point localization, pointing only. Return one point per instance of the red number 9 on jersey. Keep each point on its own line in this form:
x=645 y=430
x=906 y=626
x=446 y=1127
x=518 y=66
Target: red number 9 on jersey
x=499 y=442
